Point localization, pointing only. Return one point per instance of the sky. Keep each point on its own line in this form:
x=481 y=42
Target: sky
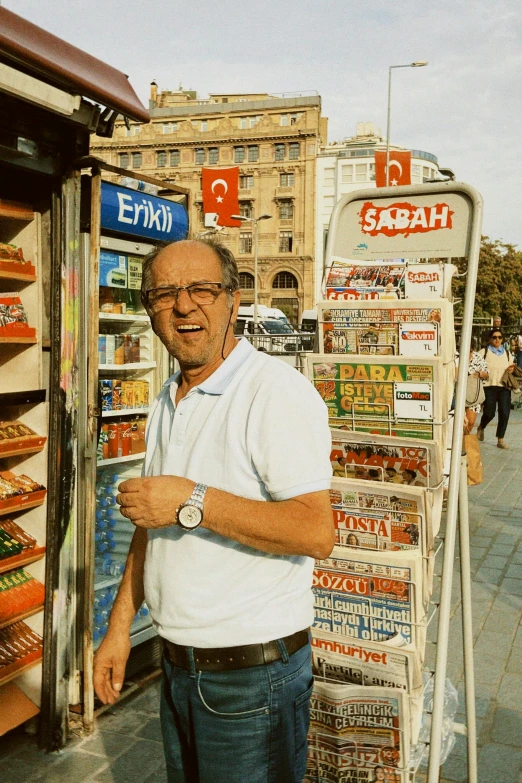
x=465 y=106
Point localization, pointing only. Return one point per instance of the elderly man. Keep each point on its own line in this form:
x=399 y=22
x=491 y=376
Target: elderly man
x=230 y=513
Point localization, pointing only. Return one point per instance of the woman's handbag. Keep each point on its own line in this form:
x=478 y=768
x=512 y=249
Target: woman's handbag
x=473 y=459
x=474 y=391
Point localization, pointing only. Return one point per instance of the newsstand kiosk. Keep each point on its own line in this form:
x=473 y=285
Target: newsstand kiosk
x=47 y=118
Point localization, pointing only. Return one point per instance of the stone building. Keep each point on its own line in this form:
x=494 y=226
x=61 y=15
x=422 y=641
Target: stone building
x=274 y=140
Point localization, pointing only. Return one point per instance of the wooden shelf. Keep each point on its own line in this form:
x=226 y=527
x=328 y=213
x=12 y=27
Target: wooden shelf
x=8 y=449
x=32 y=397
x=16 y=210
x=8 y=673
x=14 y=274
x=24 y=558
x=22 y=502
x=21 y=616
x=19 y=340
x=138 y=318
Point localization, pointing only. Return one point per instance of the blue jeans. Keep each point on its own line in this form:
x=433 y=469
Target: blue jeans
x=242 y=726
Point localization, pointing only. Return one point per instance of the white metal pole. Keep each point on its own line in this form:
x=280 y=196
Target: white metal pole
x=467 y=623
x=453 y=491
x=255 y=275
x=388 y=128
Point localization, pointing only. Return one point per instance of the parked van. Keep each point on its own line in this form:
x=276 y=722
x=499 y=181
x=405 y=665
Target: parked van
x=272 y=334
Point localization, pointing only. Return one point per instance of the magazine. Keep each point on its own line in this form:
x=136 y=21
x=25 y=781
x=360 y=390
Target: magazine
x=384 y=394
x=357 y=734
x=355 y=454
x=348 y=280
x=421 y=329
x=371 y=596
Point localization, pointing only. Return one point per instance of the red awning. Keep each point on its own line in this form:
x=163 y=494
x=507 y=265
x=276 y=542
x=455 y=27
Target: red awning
x=58 y=62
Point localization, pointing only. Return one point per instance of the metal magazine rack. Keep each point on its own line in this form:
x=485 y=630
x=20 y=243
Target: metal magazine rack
x=439 y=221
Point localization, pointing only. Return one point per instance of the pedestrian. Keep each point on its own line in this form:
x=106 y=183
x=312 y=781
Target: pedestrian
x=231 y=510
x=497 y=322
x=498 y=360
x=519 y=349
x=478 y=370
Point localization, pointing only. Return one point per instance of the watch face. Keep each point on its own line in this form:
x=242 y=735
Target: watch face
x=189 y=516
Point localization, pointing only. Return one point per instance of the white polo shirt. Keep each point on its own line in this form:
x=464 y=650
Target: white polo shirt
x=258 y=429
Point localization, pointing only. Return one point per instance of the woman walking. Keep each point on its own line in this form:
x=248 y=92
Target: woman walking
x=498 y=360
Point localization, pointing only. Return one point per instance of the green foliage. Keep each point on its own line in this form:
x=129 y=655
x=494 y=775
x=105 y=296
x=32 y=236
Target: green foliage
x=499 y=283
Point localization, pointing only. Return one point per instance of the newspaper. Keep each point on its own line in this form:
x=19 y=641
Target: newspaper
x=348 y=280
x=357 y=734
x=384 y=394
x=420 y=328
x=371 y=596
x=364 y=662
x=355 y=454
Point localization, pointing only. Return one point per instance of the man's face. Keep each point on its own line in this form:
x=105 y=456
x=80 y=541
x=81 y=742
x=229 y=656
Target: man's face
x=496 y=322
x=182 y=264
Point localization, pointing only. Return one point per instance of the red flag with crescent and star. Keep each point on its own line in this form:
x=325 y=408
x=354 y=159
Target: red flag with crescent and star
x=400 y=168
x=220 y=194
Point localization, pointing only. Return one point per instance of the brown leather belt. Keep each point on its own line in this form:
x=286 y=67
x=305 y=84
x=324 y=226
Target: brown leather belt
x=228 y=658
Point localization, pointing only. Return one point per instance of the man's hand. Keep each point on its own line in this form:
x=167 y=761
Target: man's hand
x=152 y=502
x=109 y=666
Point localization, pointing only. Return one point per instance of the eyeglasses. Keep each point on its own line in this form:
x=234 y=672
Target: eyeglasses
x=497 y=337
x=166 y=297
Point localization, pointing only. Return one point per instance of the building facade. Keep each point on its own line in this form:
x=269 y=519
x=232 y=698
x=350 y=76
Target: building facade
x=274 y=141
x=349 y=165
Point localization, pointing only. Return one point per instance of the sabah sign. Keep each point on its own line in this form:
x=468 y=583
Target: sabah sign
x=431 y=225
x=128 y=211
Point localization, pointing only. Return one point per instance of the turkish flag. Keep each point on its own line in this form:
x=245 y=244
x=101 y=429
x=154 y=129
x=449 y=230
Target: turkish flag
x=400 y=168
x=220 y=194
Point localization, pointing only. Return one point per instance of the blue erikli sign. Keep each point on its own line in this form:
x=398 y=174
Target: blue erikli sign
x=150 y=217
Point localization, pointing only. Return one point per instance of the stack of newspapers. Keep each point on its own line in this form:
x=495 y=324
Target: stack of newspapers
x=386 y=372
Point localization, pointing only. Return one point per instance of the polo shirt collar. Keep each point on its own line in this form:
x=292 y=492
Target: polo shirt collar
x=219 y=380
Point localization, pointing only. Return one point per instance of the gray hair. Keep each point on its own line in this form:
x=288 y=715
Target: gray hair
x=226 y=258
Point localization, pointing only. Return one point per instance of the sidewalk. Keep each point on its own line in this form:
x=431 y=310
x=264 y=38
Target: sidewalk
x=126 y=747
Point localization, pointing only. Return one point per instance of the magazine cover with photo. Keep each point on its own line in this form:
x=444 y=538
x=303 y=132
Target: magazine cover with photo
x=420 y=329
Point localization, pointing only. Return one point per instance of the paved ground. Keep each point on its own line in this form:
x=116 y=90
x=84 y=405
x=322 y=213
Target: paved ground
x=126 y=747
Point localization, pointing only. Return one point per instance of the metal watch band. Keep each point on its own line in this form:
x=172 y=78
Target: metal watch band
x=197 y=497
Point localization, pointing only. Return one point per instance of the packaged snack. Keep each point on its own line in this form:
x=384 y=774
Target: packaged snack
x=106 y=394
x=117 y=402
x=119 y=349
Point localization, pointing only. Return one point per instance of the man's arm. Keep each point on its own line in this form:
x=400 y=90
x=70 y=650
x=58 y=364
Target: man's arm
x=112 y=654
x=300 y=526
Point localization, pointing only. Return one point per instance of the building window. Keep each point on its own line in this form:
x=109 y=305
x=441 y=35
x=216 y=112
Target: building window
x=285 y=245
x=213 y=155
x=329 y=177
x=284 y=280
x=123 y=160
x=279 y=151
x=284 y=119
x=243 y=122
x=361 y=172
x=161 y=159
x=286 y=210
x=287 y=179
x=174 y=157
x=246 y=181
x=204 y=125
x=245 y=242
x=253 y=153
x=200 y=156
x=246 y=280
x=416 y=174
x=136 y=130
x=347 y=174
x=239 y=154
x=169 y=127
x=245 y=209
x=372 y=172
x=426 y=173
x=293 y=150
x=136 y=160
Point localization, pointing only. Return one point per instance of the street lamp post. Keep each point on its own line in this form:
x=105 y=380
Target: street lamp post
x=417 y=64
x=255 y=222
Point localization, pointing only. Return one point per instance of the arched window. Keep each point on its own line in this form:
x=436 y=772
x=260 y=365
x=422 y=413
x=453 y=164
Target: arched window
x=284 y=280
x=246 y=280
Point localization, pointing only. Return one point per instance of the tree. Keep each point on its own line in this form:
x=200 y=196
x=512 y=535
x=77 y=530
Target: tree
x=499 y=283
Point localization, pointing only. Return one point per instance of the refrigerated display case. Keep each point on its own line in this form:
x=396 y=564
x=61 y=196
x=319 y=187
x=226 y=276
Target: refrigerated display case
x=52 y=97
x=125 y=366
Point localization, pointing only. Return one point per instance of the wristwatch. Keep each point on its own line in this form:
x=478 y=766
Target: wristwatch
x=190 y=515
